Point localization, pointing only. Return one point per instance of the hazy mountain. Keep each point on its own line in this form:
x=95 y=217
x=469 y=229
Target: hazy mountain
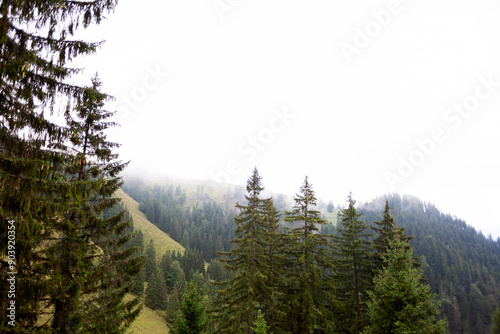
x=461 y=264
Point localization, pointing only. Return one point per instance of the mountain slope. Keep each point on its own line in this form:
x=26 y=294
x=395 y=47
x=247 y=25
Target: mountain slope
x=161 y=240
x=461 y=264
x=148 y=321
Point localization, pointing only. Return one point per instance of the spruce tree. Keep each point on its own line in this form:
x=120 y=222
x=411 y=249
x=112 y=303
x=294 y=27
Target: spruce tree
x=92 y=267
x=275 y=247
x=36 y=47
x=400 y=302
x=150 y=259
x=138 y=283
x=166 y=261
x=156 y=292
x=260 y=325
x=173 y=303
x=353 y=270
x=330 y=206
x=310 y=294
x=385 y=234
x=174 y=300
x=173 y=275
x=248 y=289
x=138 y=240
x=140 y=278
x=385 y=231
x=495 y=326
x=191 y=319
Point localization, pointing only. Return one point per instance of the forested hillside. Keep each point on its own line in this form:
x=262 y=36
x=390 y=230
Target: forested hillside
x=204 y=225
x=193 y=217
x=162 y=241
x=198 y=88
x=461 y=264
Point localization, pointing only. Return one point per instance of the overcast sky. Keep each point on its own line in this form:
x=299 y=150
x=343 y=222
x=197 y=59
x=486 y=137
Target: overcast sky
x=364 y=96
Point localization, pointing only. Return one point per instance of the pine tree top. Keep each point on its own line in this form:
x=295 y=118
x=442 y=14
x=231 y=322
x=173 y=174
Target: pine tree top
x=308 y=218
x=400 y=302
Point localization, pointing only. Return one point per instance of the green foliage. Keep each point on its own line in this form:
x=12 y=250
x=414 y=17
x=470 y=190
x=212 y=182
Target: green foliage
x=90 y=247
x=174 y=275
x=205 y=227
x=330 y=206
x=453 y=256
x=161 y=240
x=310 y=288
x=385 y=230
x=139 y=280
x=156 y=291
x=495 y=327
x=86 y=265
x=400 y=303
x=354 y=271
x=137 y=240
x=386 y=233
x=217 y=272
x=151 y=264
x=275 y=248
x=165 y=263
x=191 y=318
x=240 y=297
x=35 y=48
x=192 y=261
x=260 y=325
x=174 y=303
x=185 y=239
x=199 y=281
x=138 y=283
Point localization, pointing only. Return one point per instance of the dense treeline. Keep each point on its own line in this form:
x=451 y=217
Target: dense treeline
x=204 y=226
x=296 y=280
x=461 y=265
x=167 y=276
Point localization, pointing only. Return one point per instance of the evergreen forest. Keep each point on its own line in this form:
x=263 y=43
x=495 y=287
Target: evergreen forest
x=76 y=258
x=457 y=264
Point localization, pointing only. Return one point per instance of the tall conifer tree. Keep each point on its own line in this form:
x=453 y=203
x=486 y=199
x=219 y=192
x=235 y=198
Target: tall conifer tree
x=385 y=231
x=353 y=271
x=273 y=307
x=92 y=271
x=400 y=302
x=151 y=263
x=248 y=290
x=310 y=294
x=35 y=45
x=191 y=318
x=156 y=292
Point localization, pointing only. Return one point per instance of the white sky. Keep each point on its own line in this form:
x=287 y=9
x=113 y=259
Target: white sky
x=231 y=70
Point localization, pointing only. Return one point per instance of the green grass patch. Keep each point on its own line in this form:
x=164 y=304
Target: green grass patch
x=161 y=240
x=148 y=321
x=331 y=217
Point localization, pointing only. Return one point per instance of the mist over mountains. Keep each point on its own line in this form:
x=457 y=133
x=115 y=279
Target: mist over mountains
x=462 y=265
